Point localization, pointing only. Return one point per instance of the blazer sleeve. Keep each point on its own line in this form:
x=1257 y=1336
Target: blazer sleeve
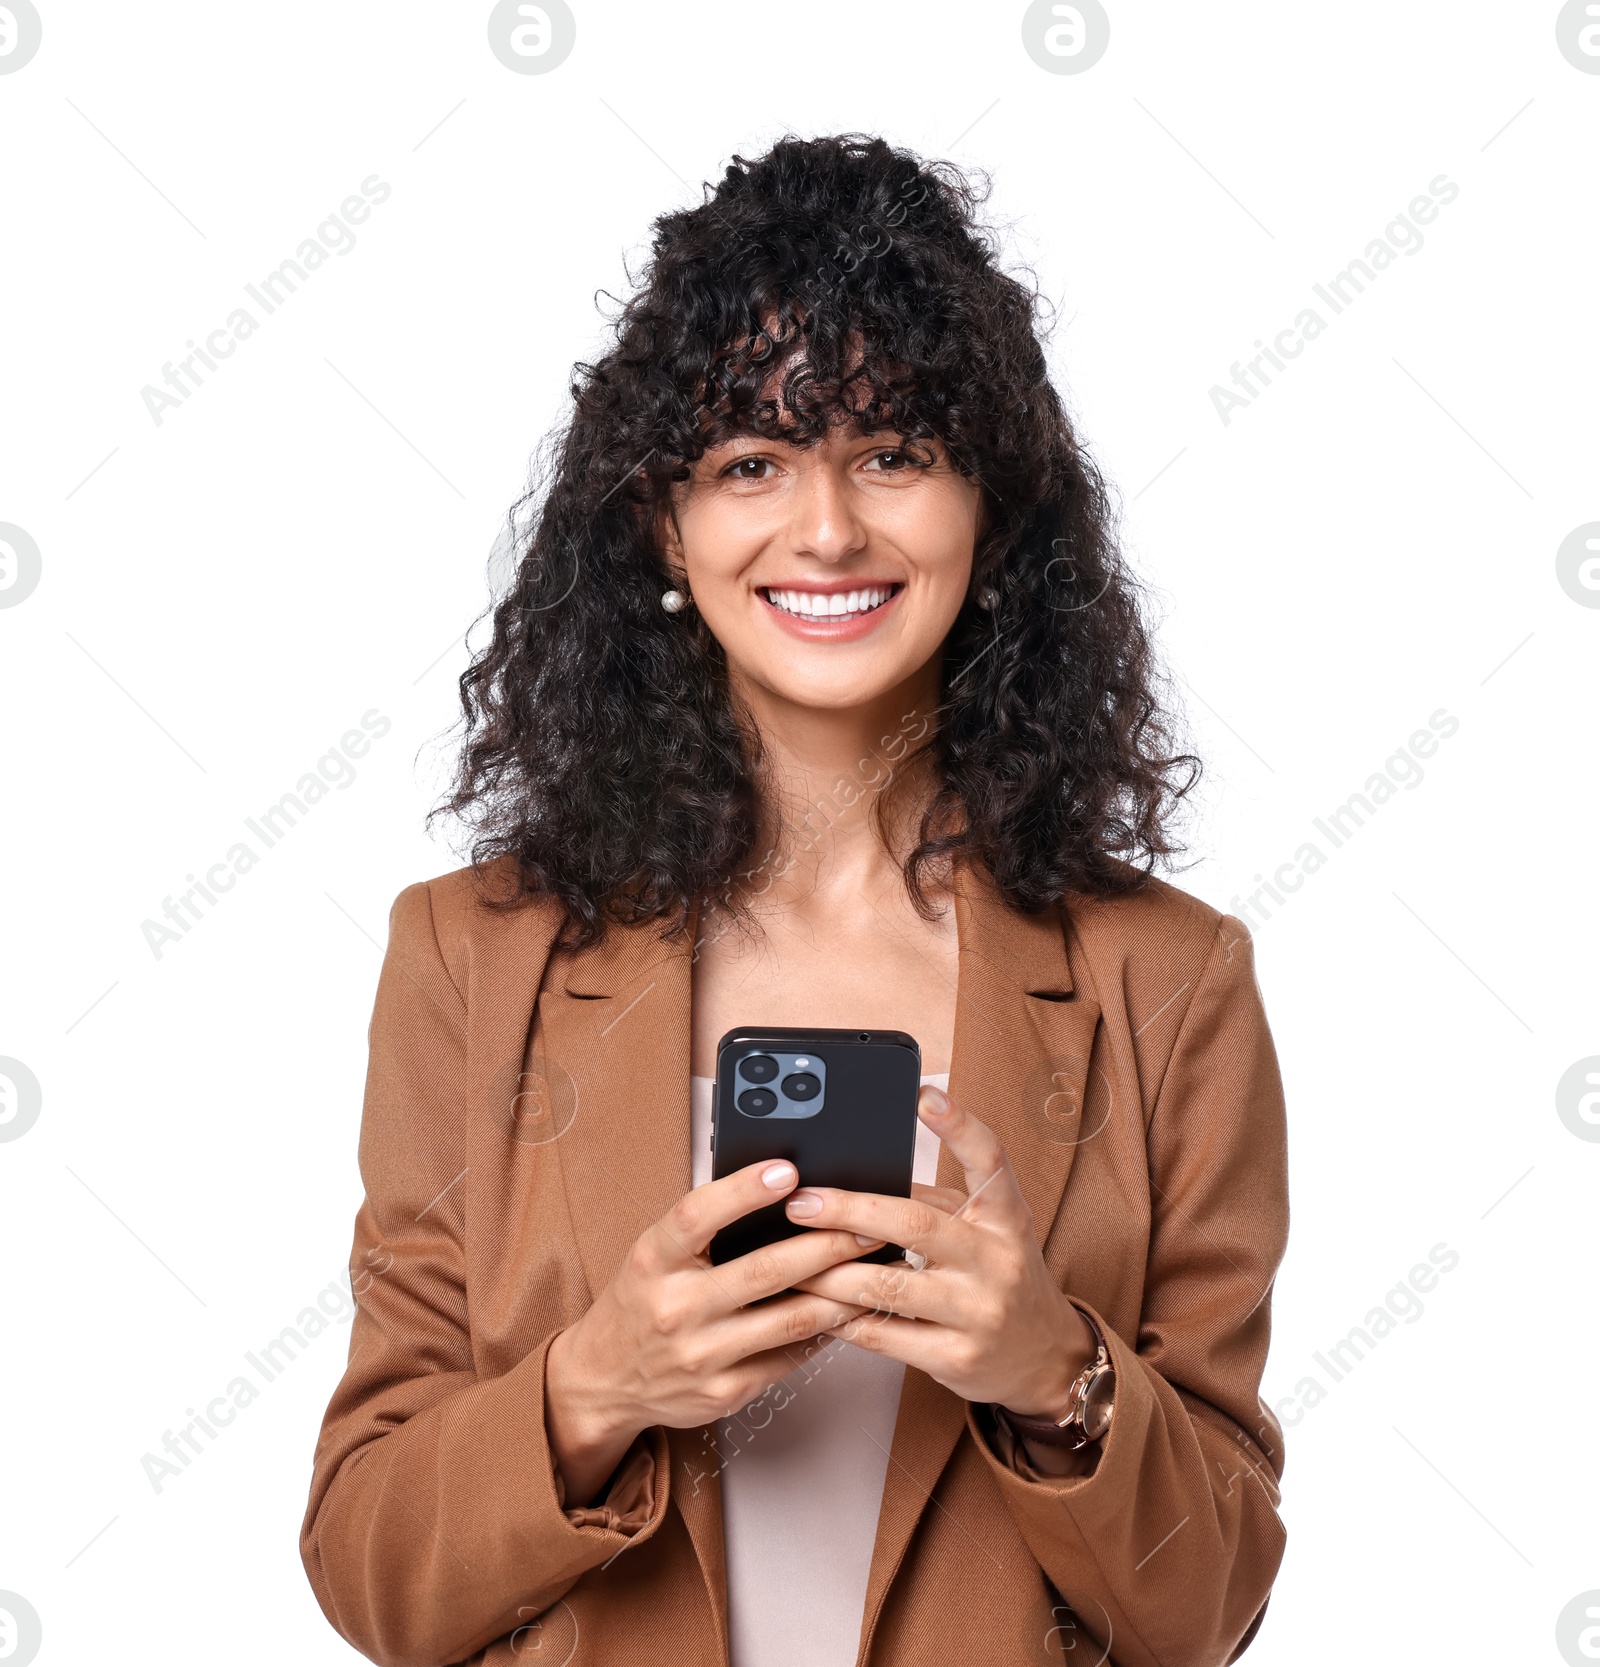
x=436 y=1521
x=1167 y=1548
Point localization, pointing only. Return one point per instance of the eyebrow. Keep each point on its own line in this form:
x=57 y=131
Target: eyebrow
x=786 y=437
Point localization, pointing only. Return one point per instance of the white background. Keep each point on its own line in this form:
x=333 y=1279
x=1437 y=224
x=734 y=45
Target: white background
x=305 y=540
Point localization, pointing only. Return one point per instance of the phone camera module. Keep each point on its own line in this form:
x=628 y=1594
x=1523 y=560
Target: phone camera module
x=803 y=1085
x=758 y=1067
x=758 y=1102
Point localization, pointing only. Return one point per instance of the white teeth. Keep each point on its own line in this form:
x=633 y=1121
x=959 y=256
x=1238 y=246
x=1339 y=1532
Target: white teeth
x=810 y=604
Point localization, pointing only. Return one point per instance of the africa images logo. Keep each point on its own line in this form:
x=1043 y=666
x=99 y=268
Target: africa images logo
x=20 y=565
x=20 y=34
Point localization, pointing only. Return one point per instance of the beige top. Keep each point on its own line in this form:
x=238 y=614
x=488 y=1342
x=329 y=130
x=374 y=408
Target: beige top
x=802 y=1477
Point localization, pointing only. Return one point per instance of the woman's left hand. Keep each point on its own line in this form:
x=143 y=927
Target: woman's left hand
x=983 y=1317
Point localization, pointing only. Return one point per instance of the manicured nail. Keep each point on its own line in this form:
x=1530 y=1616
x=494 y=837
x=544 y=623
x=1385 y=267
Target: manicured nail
x=864 y=1239
x=938 y=1101
x=804 y=1204
x=779 y=1175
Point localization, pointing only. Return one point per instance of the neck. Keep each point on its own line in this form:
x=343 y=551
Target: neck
x=840 y=795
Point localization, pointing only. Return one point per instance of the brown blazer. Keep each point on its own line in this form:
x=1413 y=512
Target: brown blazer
x=527 y=1116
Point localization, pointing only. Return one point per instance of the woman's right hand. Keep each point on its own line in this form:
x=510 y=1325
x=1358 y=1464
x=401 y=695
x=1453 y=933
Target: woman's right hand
x=671 y=1340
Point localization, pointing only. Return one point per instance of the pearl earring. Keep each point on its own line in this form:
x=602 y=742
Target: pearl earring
x=674 y=601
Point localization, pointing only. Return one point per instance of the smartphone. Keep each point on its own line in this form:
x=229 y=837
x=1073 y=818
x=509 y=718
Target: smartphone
x=840 y=1105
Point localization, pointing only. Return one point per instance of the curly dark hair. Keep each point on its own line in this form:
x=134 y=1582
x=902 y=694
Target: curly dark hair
x=604 y=758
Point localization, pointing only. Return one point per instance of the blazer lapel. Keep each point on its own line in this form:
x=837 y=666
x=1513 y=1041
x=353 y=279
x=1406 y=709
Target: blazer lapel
x=614 y=1023
x=1020 y=1063
x=612 y=1043
x=1024 y=1033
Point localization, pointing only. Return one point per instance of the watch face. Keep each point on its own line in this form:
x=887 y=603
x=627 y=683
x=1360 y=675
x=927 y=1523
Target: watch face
x=1097 y=1403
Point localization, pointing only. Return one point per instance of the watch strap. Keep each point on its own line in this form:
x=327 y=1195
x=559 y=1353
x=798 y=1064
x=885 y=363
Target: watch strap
x=1067 y=1431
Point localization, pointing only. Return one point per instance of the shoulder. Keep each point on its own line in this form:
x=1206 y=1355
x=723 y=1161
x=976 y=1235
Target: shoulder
x=1154 y=943
x=462 y=914
x=1166 y=966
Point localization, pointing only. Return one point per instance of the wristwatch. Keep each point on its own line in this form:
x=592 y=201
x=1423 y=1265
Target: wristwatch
x=1089 y=1404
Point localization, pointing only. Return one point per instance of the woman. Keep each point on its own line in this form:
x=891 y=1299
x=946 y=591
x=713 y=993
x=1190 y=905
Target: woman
x=820 y=697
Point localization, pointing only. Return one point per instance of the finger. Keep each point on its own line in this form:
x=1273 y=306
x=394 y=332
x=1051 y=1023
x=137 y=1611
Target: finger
x=769 y=1367
x=892 y=1288
x=783 y=1264
x=948 y=1199
x=916 y=1342
x=684 y=1232
x=788 y=1323
x=910 y=1223
x=978 y=1149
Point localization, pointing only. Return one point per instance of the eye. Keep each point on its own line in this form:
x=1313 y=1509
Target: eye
x=894 y=462
x=746 y=468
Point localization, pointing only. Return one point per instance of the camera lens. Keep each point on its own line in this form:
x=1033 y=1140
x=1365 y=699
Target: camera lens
x=758 y=1102
x=802 y=1086
x=758 y=1067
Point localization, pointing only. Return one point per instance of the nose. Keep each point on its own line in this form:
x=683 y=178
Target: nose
x=825 y=522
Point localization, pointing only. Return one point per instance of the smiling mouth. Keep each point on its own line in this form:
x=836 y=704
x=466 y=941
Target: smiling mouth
x=840 y=605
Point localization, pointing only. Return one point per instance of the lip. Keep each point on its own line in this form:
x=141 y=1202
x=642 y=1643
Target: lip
x=830 y=629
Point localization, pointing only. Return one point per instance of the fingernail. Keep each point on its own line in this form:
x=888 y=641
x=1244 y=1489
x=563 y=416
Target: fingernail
x=938 y=1101
x=779 y=1175
x=804 y=1204
x=863 y=1239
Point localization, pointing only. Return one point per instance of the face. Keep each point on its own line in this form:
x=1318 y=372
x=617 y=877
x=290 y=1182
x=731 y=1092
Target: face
x=830 y=574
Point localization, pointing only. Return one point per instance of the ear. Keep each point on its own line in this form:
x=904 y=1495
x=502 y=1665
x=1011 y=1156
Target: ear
x=669 y=546
x=985 y=518
x=982 y=521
